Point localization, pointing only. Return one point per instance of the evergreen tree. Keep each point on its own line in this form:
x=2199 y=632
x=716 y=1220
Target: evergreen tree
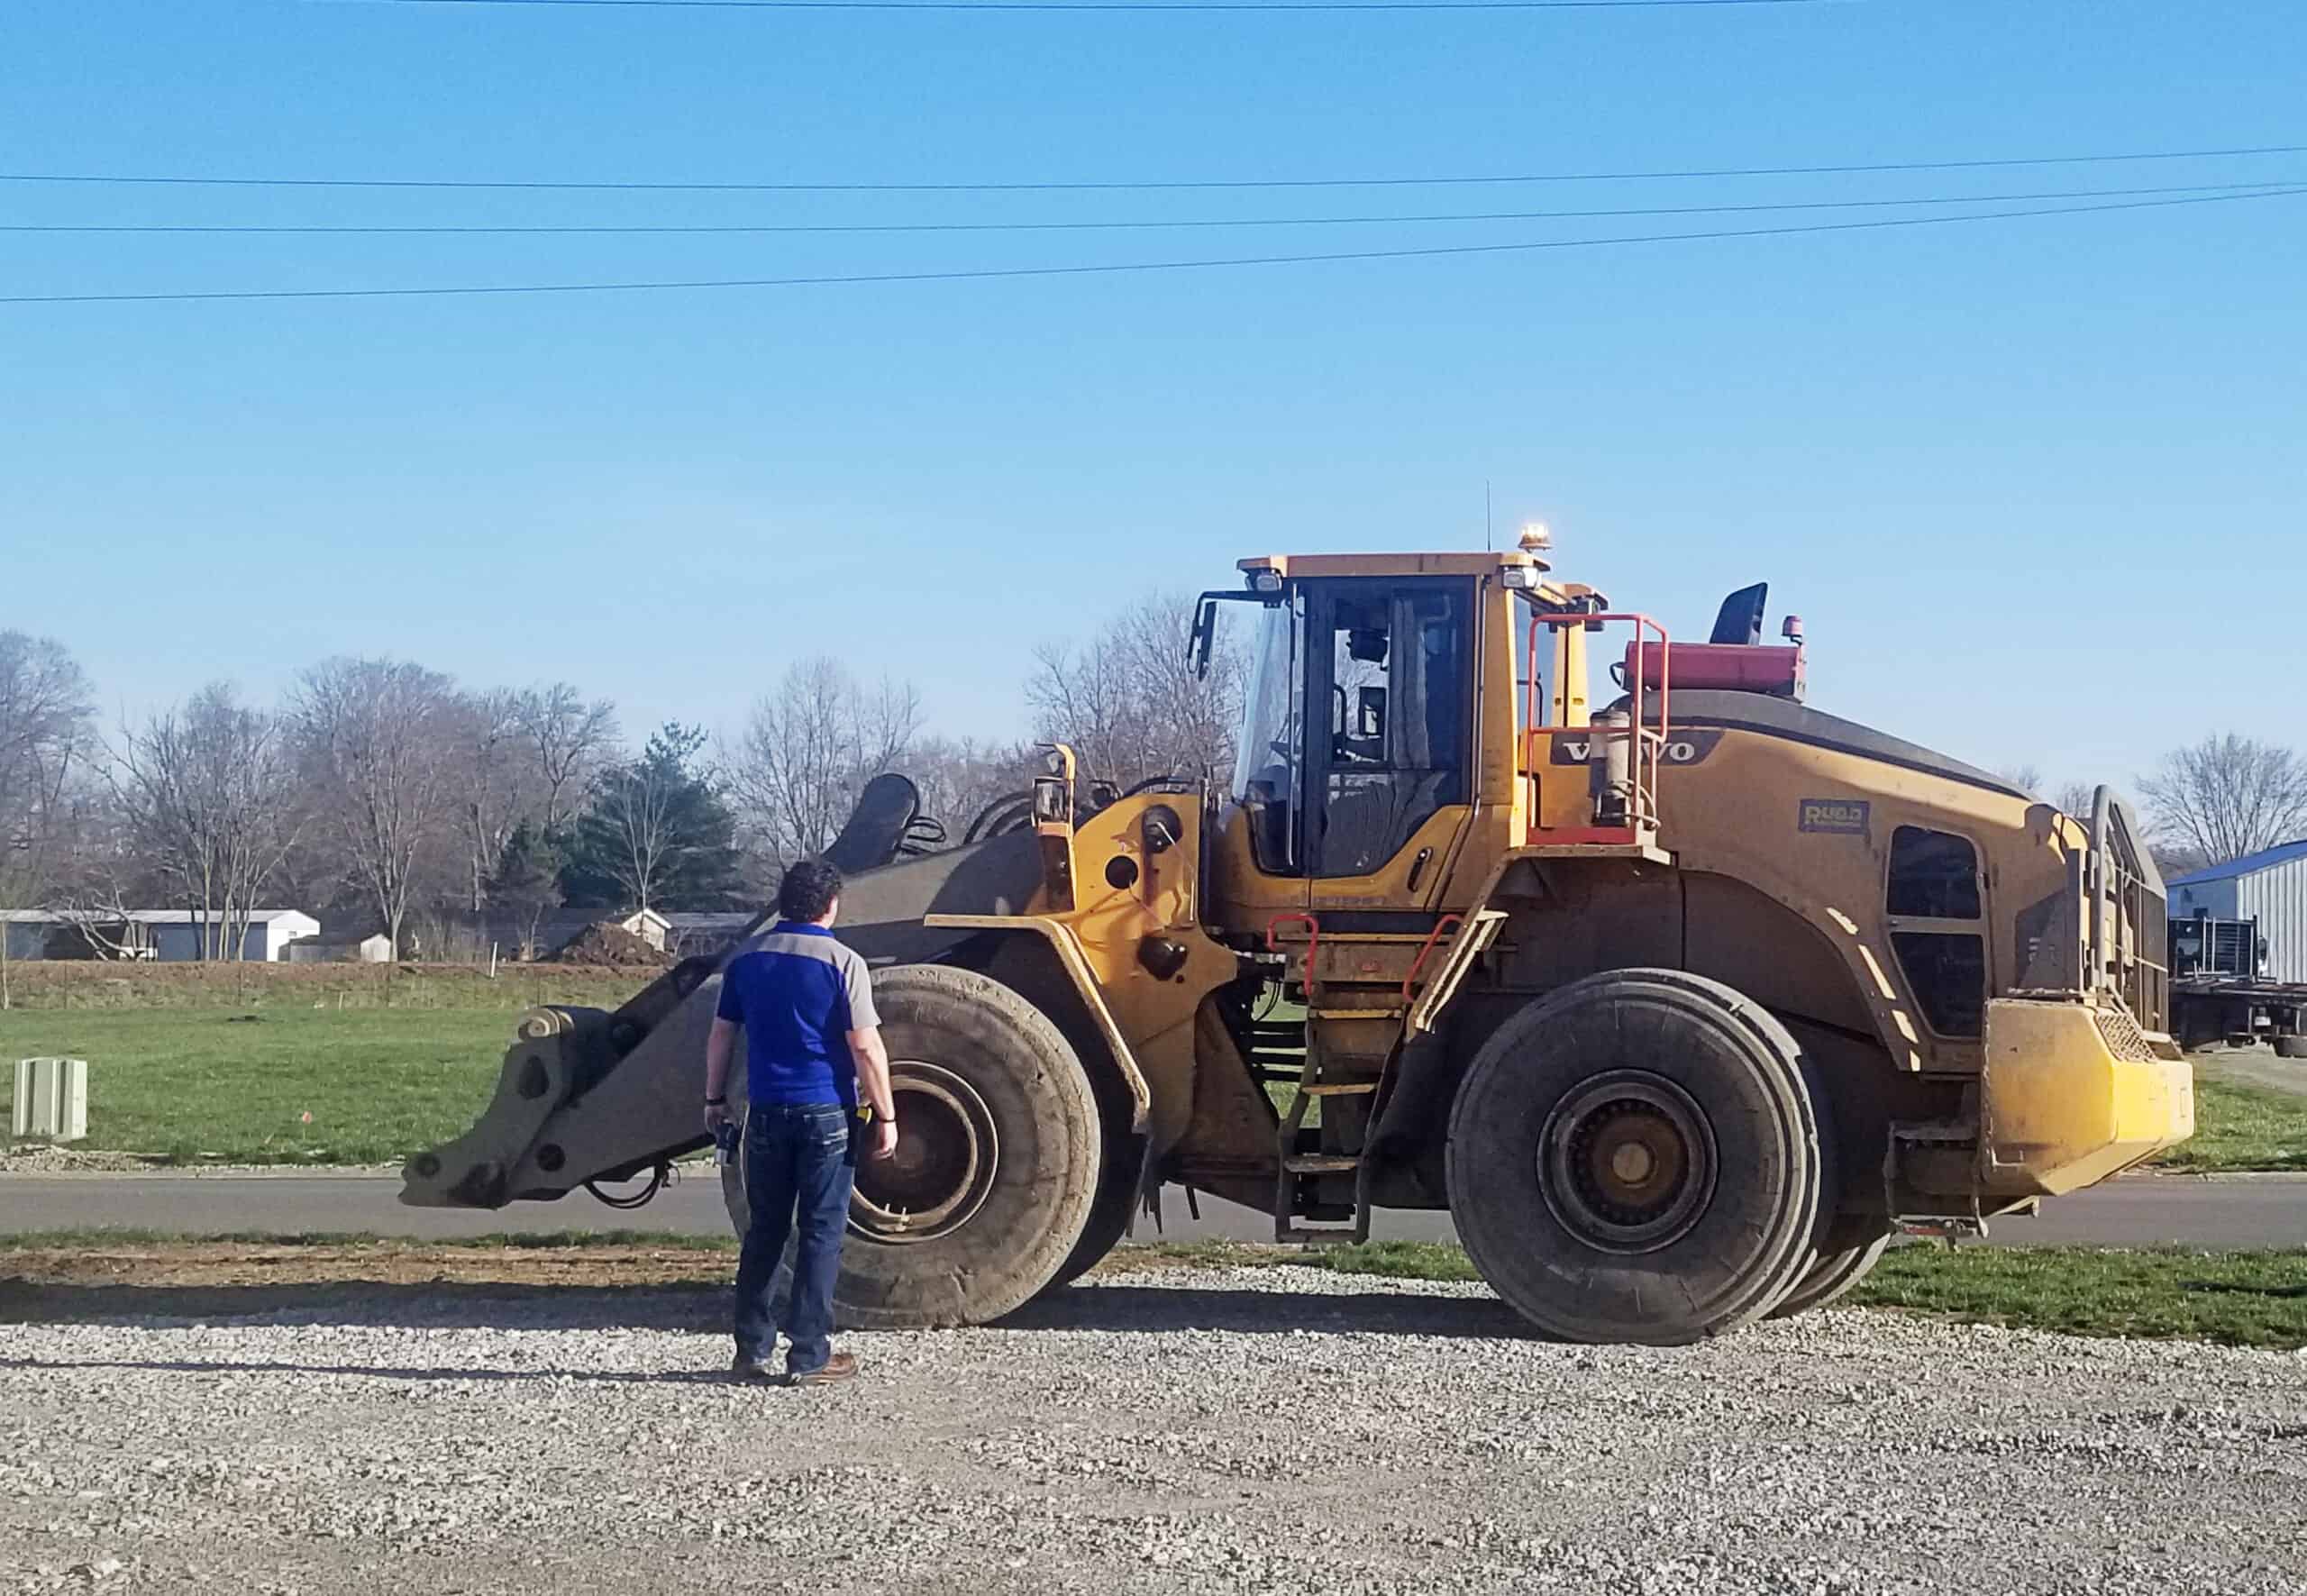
x=526 y=883
x=656 y=834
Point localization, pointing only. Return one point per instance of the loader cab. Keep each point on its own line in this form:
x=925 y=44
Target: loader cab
x=1357 y=751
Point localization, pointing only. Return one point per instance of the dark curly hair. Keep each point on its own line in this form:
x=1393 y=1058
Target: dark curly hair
x=807 y=890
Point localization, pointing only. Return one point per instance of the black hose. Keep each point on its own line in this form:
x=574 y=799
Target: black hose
x=1003 y=813
x=659 y=1179
x=925 y=835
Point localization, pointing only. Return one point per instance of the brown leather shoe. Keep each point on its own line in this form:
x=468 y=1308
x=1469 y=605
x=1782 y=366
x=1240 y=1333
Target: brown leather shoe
x=840 y=1366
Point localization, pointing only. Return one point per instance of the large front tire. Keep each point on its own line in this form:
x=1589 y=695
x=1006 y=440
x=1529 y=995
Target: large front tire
x=1636 y=1158
x=1117 y=1197
x=997 y=1163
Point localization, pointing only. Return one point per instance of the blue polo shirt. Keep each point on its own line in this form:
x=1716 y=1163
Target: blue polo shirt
x=799 y=993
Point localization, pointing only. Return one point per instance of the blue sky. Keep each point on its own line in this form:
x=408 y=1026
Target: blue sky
x=2036 y=487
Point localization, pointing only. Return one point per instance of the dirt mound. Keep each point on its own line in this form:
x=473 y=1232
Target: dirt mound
x=240 y=988
x=610 y=946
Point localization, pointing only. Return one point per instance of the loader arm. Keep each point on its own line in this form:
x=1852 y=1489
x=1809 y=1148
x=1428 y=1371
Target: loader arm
x=589 y=1095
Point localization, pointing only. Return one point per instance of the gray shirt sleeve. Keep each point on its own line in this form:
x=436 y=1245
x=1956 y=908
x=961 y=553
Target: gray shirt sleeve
x=858 y=984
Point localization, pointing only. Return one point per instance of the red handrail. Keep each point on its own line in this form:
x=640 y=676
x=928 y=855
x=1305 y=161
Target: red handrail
x=1418 y=963
x=1313 y=940
x=1644 y=741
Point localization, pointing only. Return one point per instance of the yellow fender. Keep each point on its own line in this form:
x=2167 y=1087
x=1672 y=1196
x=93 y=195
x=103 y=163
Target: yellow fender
x=1067 y=949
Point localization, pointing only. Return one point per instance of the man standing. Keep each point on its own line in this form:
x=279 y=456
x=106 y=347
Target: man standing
x=812 y=1038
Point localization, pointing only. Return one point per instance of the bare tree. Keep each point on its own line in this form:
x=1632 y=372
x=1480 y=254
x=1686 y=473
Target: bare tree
x=1129 y=702
x=568 y=739
x=2070 y=798
x=108 y=873
x=208 y=791
x=2078 y=798
x=2228 y=796
x=499 y=782
x=47 y=724
x=633 y=809
x=1082 y=696
x=959 y=779
x=808 y=747
x=46 y=729
x=378 y=738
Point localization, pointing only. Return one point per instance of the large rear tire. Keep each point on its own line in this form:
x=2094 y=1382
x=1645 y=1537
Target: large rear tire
x=997 y=1163
x=1636 y=1158
x=1835 y=1268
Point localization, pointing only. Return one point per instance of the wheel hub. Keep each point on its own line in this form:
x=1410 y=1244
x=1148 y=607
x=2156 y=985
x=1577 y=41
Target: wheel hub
x=1626 y=1161
x=942 y=1170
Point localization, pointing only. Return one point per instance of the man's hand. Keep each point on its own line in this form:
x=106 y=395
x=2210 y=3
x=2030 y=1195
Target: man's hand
x=885 y=1138
x=717 y=1115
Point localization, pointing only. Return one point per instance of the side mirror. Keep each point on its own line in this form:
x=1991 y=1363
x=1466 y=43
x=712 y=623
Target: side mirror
x=1203 y=638
x=1205 y=634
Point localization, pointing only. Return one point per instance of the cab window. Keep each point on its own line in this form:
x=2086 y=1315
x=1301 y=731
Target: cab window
x=1934 y=875
x=1395 y=706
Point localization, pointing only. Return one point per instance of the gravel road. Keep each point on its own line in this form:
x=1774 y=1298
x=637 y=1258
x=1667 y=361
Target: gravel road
x=1180 y=1430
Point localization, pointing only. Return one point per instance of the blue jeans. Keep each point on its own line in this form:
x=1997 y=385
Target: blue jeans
x=798 y=1165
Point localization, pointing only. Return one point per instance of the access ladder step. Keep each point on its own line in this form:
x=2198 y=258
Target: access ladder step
x=1318 y=1233
x=1320 y=1164
x=1340 y=1088
x=1395 y=1012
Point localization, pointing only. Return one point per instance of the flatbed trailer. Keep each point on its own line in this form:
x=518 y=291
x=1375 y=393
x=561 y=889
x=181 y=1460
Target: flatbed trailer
x=2215 y=1011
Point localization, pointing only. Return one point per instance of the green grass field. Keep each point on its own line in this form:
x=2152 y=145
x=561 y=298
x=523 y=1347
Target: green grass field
x=200 y=1086
x=2242 y=1127
x=2239 y=1299
x=2235 y=1299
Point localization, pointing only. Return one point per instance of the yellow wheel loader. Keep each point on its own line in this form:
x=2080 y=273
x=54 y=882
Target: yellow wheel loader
x=1679 y=995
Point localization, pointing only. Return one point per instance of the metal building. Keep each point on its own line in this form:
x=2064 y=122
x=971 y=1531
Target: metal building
x=172 y=935
x=2269 y=887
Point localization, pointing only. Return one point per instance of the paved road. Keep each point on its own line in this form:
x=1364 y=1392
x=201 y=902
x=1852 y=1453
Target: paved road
x=2233 y=1212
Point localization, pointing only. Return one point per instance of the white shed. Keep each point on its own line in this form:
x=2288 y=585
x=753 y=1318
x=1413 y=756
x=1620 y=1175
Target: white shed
x=182 y=935
x=176 y=934
x=366 y=949
x=650 y=927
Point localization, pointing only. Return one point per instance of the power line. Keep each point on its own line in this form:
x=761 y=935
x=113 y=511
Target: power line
x=1204 y=6
x=875 y=227
x=1199 y=183
x=1139 y=266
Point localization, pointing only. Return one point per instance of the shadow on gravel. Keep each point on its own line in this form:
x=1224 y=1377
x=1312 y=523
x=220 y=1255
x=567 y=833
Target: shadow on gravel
x=430 y=1304
x=379 y=1370
x=704 y=1310
x=1277 y=1313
